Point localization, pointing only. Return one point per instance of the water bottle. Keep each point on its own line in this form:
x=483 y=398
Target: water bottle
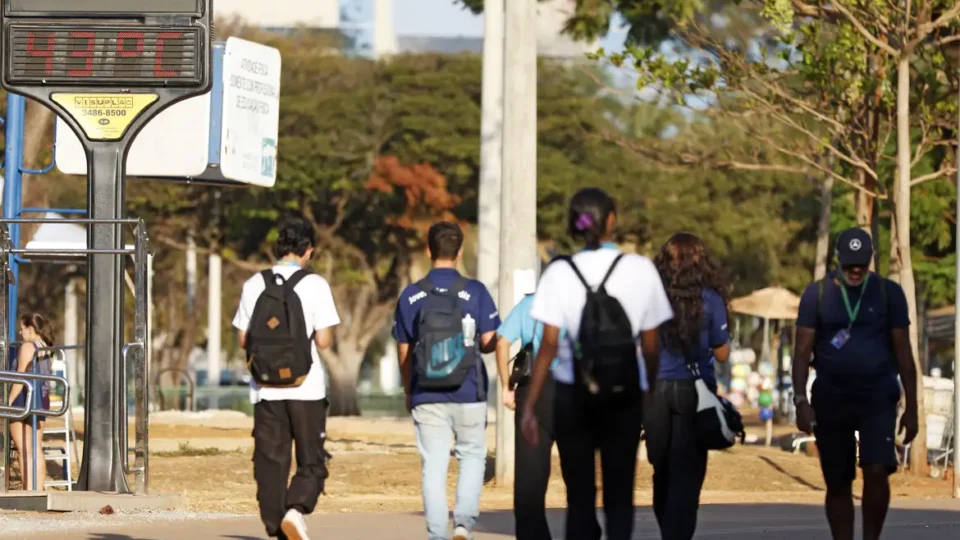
x=469 y=330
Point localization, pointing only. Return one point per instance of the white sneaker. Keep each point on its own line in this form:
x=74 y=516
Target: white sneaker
x=461 y=533
x=294 y=526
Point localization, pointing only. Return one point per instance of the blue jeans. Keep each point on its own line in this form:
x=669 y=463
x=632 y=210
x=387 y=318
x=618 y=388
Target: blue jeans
x=437 y=425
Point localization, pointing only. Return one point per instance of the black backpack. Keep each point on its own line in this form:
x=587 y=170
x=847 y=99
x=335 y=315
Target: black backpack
x=605 y=354
x=278 y=347
x=441 y=359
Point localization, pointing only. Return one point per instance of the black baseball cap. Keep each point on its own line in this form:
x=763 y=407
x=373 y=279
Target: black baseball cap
x=854 y=248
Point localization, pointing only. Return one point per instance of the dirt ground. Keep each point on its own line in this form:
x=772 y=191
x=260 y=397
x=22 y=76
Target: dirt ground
x=376 y=469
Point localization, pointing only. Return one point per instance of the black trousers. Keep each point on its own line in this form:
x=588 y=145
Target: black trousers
x=532 y=467
x=613 y=428
x=679 y=463
x=276 y=425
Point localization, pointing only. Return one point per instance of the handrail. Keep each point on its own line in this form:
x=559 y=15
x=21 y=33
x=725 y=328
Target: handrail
x=73 y=221
x=49 y=378
x=65 y=404
x=67 y=252
x=7 y=377
x=140 y=416
x=38 y=210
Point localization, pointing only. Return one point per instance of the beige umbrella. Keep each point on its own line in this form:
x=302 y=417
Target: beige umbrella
x=771 y=303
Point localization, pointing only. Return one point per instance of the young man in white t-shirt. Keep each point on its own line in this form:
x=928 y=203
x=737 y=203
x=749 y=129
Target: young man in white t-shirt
x=288 y=414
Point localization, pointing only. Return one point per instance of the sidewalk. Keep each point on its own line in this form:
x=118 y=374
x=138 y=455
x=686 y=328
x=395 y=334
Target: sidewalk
x=916 y=520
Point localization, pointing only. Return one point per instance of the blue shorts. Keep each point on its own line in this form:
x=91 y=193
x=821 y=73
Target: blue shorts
x=839 y=419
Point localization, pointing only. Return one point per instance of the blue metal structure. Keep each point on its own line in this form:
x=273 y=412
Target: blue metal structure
x=13 y=192
x=14 y=128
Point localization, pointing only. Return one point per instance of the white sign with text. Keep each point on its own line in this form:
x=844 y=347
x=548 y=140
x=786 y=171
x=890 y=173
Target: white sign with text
x=251 y=112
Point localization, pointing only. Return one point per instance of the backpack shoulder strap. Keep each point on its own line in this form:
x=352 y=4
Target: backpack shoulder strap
x=459 y=285
x=821 y=288
x=569 y=260
x=296 y=278
x=883 y=298
x=269 y=278
x=425 y=285
x=610 y=271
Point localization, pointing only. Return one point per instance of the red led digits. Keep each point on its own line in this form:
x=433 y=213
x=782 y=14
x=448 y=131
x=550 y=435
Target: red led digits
x=83 y=53
x=47 y=53
x=122 y=49
x=87 y=54
x=158 y=70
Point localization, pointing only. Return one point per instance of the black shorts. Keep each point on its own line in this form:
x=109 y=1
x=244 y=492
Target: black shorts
x=838 y=421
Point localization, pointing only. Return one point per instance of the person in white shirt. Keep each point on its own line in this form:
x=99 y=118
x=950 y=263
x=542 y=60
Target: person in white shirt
x=283 y=415
x=584 y=425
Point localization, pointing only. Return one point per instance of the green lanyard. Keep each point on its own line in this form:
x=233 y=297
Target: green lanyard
x=854 y=311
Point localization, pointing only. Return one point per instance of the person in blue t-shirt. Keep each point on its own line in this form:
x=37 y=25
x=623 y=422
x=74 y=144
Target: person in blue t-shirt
x=695 y=337
x=439 y=415
x=856 y=325
x=531 y=463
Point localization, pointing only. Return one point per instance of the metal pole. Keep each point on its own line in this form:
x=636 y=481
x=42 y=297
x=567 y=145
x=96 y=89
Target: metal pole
x=71 y=337
x=956 y=344
x=101 y=468
x=213 y=322
x=518 y=197
x=148 y=346
x=191 y=261
x=491 y=164
x=12 y=189
x=12 y=184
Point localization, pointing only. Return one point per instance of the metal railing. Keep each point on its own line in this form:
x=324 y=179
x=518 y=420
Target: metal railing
x=141 y=444
x=28 y=380
x=191 y=400
x=15 y=414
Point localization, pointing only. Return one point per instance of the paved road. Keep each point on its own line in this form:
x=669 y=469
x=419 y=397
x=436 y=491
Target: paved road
x=913 y=520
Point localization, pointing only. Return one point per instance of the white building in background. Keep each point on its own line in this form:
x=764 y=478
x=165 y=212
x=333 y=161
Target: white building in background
x=384 y=41
x=282 y=13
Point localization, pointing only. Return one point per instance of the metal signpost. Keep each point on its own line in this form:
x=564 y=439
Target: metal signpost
x=106 y=67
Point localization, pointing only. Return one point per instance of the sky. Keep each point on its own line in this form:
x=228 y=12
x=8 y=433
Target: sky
x=442 y=18
x=448 y=18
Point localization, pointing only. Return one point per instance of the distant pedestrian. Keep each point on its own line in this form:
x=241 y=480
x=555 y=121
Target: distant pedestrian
x=531 y=463
x=286 y=314
x=442 y=325
x=855 y=324
x=33 y=357
x=607 y=302
x=691 y=342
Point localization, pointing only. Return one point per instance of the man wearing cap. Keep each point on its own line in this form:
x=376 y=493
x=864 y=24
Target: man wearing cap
x=855 y=325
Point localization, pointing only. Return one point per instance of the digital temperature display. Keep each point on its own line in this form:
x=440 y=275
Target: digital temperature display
x=100 y=56
x=97 y=7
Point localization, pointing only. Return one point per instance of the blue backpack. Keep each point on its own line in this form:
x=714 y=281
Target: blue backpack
x=441 y=360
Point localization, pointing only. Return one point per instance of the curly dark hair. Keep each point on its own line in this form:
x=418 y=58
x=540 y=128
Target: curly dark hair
x=686 y=270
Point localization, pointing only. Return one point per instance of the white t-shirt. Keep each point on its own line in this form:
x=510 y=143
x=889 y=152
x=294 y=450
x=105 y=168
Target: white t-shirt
x=561 y=296
x=319 y=312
